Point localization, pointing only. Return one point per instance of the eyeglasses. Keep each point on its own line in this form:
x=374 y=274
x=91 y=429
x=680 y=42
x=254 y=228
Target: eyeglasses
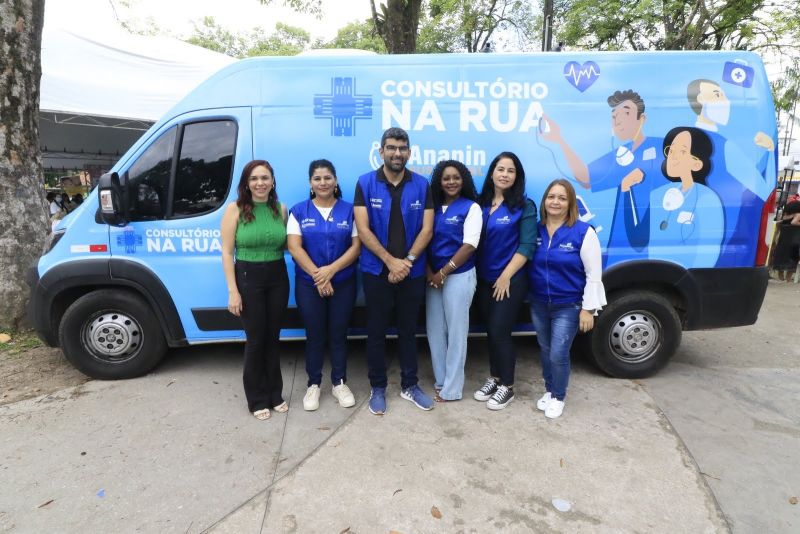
x=678 y=153
x=391 y=148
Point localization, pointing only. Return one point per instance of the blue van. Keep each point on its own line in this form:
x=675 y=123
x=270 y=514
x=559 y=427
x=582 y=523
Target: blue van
x=137 y=267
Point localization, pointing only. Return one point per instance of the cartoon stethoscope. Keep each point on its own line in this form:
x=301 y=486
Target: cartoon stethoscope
x=674 y=200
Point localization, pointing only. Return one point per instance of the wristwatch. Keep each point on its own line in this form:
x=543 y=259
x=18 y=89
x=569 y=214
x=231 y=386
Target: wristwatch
x=412 y=258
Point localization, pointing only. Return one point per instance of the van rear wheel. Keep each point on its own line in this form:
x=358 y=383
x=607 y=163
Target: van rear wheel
x=636 y=334
x=111 y=334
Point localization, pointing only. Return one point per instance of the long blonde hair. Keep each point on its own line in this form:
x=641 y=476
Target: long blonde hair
x=572 y=201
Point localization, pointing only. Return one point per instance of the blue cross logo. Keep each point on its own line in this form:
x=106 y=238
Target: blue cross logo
x=129 y=239
x=343 y=107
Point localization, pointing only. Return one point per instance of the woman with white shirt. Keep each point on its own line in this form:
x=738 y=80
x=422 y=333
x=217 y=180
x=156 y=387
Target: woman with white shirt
x=322 y=239
x=566 y=288
x=451 y=274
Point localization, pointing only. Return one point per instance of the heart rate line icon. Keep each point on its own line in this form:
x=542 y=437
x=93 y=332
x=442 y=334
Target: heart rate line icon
x=581 y=76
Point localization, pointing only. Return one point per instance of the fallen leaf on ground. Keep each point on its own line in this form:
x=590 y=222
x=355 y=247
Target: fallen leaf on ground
x=45 y=503
x=324 y=428
x=435 y=512
x=5 y=338
x=561 y=462
x=345 y=531
x=792 y=500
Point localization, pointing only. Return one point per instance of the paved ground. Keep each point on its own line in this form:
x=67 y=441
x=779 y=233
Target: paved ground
x=176 y=451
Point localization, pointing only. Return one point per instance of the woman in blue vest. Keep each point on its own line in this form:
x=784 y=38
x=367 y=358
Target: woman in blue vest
x=508 y=240
x=566 y=288
x=451 y=274
x=323 y=241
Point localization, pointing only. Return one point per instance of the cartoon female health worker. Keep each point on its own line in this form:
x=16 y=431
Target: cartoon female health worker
x=686 y=217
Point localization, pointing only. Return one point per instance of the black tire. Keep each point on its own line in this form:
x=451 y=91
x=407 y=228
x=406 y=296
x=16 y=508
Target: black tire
x=111 y=334
x=636 y=334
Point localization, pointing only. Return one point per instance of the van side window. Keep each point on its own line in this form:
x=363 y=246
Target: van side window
x=148 y=179
x=204 y=167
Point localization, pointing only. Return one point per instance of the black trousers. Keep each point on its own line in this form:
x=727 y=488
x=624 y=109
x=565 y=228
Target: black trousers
x=405 y=299
x=264 y=287
x=499 y=319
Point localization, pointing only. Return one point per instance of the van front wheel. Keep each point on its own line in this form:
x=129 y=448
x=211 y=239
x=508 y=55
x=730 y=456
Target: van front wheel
x=636 y=334
x=111 y=334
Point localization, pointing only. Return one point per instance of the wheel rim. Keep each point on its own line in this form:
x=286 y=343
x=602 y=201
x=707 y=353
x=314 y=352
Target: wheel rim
x=635 y=336
x=112 y=336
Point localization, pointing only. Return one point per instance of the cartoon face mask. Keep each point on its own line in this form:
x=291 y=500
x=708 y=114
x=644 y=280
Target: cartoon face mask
x=624 y=156
x=718 y=112
x=673 y=199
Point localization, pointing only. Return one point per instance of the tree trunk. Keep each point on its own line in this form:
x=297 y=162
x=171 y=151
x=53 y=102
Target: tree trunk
x=397 y=24
x=23 y=214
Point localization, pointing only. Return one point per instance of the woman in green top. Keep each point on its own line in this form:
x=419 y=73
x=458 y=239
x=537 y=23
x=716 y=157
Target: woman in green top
x=254 y=232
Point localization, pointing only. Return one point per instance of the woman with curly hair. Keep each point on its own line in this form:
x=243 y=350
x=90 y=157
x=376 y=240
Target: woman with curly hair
x=451 y=274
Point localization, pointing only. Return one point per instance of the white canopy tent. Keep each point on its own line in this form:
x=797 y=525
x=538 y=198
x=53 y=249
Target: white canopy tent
x=103 y=87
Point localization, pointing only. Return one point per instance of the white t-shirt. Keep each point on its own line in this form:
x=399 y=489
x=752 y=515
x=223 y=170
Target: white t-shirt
x=472 y=225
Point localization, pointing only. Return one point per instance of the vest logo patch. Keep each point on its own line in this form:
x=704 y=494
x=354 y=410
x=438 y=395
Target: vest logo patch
x=308 y=221
x=376 y=203
x=504 y=220
x=344 y=225
x=538 y=241
x=416 y=205
x=455 y=219
x=566 y=246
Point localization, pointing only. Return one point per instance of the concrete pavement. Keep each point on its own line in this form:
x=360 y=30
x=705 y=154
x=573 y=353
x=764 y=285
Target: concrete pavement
x=176 y=451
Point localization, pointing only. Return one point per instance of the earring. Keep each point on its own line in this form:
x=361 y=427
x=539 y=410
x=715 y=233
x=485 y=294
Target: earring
x=311 y=193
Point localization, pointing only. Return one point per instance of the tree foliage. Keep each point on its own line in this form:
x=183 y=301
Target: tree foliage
x=284 y=41
x=358 y=35
x=471 y=25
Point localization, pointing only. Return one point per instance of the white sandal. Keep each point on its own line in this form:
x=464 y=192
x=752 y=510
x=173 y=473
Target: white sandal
x=261 y=415
x=282 y=408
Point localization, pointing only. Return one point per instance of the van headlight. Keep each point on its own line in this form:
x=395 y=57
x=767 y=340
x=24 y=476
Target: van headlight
x=54 y=237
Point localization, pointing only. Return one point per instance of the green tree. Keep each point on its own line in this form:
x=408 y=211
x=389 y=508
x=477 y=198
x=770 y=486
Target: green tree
x=23 y=215
x=358 y=35
x=208 y=34
x=284 y=41
x=471 y=25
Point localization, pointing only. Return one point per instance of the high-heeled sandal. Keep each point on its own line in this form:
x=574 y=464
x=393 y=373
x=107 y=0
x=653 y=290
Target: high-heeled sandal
x=261 y=415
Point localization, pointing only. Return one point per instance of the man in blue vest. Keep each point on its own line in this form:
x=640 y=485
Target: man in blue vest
x=393 y=210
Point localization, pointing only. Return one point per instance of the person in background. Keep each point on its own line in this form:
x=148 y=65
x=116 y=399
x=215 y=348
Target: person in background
x=508 y=240
x=77 y=199
x=393 y=210
x=787 y=247
x=54 y=203
x=566 y=288
x=254 y=233
x=323 y=240
x=451 y=274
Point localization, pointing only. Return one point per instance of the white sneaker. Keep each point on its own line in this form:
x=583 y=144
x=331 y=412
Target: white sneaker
x=542 y=403
x=554 y=409
x=311 y=400
x=343 y=394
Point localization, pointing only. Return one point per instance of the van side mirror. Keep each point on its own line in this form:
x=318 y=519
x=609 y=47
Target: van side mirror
x=113 y=193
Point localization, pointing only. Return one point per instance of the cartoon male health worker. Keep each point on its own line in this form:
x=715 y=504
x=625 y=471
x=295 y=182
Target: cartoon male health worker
x=633 y=169
x=737 y=180
x=686 y=217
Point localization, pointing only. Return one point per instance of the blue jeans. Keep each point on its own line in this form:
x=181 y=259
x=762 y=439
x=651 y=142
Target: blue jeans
x=556 y=326
x=326 y=321
x=405 y=299
x=447 y=313
x=500 y=318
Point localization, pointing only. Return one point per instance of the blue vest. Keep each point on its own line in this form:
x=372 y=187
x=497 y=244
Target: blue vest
x=378 y=202
x=556 y=274
x=325 y=240
x=499 y=241
x=448 y=235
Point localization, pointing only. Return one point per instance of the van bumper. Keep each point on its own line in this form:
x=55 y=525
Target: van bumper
x=726 y=297
x=37 y=310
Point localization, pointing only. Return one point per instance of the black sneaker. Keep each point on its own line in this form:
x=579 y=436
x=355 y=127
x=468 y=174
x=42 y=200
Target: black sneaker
x=487 y=390
x=501 y=398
